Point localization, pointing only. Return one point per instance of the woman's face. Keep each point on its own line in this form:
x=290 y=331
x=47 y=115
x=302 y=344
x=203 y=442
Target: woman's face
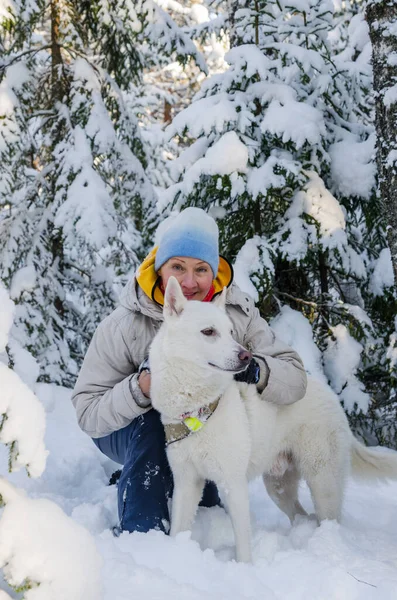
x=194 y=276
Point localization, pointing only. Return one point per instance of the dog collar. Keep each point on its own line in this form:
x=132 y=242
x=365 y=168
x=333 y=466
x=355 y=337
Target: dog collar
x=190 y=423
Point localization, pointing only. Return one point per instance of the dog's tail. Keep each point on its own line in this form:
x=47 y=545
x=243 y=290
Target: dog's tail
x=373 y=463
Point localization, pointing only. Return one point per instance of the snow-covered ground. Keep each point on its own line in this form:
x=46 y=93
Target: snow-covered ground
x=354 y=560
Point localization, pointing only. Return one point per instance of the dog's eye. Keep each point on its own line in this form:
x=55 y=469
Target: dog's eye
x=209 y=331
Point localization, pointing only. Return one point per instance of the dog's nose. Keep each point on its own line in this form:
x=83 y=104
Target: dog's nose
x=245 y=356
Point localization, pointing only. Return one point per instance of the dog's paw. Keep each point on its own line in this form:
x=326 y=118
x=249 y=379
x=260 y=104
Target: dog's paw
x=304 y=519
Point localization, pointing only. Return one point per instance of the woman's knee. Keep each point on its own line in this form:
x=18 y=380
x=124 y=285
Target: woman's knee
x=150 y=421
x=142 y=431
x=148 y=430
x=147 y=441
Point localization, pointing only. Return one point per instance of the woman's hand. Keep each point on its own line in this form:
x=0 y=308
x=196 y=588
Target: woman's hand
x=144 y=383
x=144 y=377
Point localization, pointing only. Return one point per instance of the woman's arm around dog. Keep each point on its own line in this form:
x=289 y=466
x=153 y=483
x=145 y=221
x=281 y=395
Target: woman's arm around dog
x=107 y=396
x=282 y=374
x=283 y=377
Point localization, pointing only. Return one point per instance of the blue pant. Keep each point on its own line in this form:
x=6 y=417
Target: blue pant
x=146 y=482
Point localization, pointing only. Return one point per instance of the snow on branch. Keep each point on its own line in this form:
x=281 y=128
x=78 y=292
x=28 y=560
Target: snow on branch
x=43 y=552
x=23 y=417
x=23 y=425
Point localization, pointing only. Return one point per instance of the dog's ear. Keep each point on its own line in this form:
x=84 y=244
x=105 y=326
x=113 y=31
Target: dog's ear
x=174 y=300
x=220 y=299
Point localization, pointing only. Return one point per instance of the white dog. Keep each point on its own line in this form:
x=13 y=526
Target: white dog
x=222 y=431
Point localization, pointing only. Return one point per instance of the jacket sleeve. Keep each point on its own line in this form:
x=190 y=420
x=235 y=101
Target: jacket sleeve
x=283 y=378
x=107 y=389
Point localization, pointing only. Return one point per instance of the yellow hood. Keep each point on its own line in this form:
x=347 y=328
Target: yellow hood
x=149 y=281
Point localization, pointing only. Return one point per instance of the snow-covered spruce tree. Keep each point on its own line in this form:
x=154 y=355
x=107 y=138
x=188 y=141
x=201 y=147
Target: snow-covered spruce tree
x=25 y=243
x=74 y=195
x=193 y=36
x=280 y=142
x=382 y=19
x=368 y=225
x=148 y=48
x=344 y=12
x=170 y=79
x=166 y=81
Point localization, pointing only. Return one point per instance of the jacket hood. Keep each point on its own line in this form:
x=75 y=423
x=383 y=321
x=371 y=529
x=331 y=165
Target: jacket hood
x=143 y=294
x=134 y=298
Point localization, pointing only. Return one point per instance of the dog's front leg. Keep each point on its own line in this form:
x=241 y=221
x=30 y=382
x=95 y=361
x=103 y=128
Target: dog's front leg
x=238 y=504
x=188 y=489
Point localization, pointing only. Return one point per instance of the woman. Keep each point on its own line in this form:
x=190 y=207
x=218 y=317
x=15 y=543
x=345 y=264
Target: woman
x=112 y=393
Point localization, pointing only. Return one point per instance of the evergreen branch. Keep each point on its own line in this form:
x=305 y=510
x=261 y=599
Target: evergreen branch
x=4 y=66
x=337 y=283
x=74 y=52
x=42 y=124
x=74 y=266
x=41 y=113
x=361 y=580
x=350 y=126
x=317 y=305
x=256 y=21
x=81 y=333
x=336 y=108
x=298 y=300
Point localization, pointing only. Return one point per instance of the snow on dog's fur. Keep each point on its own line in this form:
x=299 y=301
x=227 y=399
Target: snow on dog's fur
x=193 y=359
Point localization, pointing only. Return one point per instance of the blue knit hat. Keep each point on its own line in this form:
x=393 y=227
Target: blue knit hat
x=192 y=233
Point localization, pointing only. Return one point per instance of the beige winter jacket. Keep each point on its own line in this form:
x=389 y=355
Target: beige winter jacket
x=106 y=391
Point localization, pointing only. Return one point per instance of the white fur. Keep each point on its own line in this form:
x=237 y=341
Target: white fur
x=246 y=436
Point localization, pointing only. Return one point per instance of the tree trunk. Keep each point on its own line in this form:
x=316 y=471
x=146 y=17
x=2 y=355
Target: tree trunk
x=55 y=241
x=382 y=20
x=323 y=268
x=167 y=112
x=56 y=57
x=232 y=7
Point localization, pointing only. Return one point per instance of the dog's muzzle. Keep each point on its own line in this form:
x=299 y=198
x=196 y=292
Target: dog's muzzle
x=244 y=357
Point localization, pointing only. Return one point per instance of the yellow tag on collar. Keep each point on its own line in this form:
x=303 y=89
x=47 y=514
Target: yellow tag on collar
x=193 y=423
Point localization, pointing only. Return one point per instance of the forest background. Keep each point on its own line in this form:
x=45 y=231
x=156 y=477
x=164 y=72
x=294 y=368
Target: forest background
x=115 y=113
x=279 y=117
